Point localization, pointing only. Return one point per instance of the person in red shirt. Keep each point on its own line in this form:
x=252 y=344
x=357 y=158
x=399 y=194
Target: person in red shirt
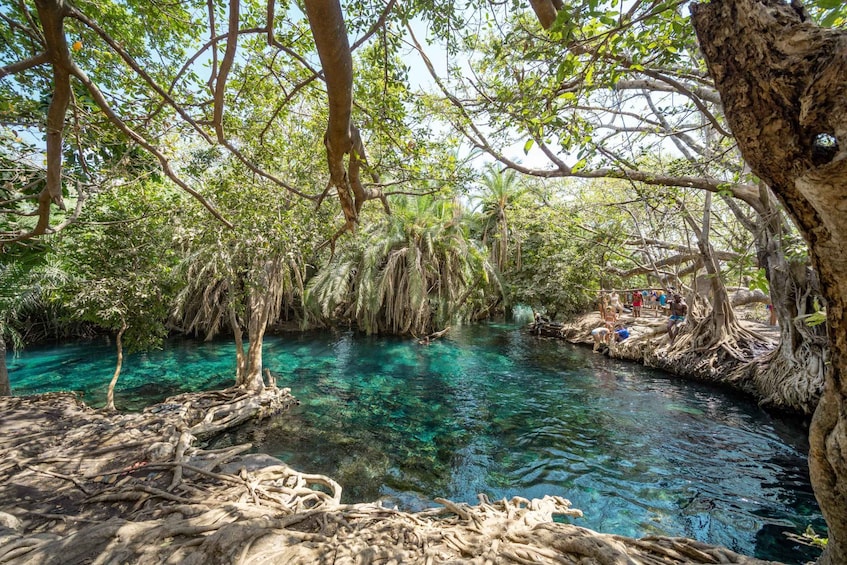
x=636 y=303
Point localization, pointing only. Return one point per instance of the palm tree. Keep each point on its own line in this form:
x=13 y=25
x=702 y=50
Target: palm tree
x=501 y=189
x=239 y=285
x=410 y=273
x=243 y=279
x=23 y=274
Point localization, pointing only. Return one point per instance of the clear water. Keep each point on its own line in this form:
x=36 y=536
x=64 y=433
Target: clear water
x=491 y=409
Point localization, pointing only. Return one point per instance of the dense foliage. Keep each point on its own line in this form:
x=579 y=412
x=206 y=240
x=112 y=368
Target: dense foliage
x=495 y=188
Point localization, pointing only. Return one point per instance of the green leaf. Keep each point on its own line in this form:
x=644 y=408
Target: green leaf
x=817 y=317
x=830 y=18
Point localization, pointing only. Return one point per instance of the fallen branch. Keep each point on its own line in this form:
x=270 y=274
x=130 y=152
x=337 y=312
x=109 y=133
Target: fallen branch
x=78 y=484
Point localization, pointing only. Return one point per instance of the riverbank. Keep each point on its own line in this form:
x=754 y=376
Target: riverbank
x=83 y=486
x=742 y=371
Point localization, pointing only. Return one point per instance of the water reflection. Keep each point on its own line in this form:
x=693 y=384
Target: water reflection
x=490 y=409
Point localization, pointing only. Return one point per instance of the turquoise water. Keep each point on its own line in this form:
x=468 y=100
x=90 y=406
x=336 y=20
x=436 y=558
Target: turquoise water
x=491 y=409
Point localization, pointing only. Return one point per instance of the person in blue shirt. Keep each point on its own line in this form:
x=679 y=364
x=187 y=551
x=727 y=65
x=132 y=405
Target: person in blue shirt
x=621 y=333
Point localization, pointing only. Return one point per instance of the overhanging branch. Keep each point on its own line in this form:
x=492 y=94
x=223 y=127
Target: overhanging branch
x=35 y=61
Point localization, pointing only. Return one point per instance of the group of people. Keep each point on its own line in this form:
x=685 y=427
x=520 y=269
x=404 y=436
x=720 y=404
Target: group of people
x=603 y=336
x=655 y=300
x=610 y=307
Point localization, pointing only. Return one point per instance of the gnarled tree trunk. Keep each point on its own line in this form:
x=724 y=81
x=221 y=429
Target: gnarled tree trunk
x=781 y=80
x=259 y=314
x=792 y=375
x=720 y=331
x=265 y=293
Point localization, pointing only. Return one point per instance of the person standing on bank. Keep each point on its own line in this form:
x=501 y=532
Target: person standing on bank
x=663 y=301
x=636 y=303
x=616 y=303
x=679 y=309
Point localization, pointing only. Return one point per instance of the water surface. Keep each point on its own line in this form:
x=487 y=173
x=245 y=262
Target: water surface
x=491 y=409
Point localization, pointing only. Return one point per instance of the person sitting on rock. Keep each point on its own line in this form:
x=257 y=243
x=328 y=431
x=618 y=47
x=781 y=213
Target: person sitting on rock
x=621 y=333
x=679 y=309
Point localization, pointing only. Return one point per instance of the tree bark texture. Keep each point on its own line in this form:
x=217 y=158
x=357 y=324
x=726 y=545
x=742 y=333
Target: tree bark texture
x=782 y=82
x=342 y=137
x=327 y=23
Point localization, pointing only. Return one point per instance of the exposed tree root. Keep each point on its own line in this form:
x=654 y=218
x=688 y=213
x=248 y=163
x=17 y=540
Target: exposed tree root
x=745 y=356
x=783 y=380
x=85 y=487
x=711 y=353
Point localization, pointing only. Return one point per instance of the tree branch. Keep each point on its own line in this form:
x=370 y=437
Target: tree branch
x=326 y=21
x=707 y=94
x=34 y=61
x=223 y=71
x=380 y=22
x=138 y=138
x=43 y=225
x=210 y=5
x=133 y=64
